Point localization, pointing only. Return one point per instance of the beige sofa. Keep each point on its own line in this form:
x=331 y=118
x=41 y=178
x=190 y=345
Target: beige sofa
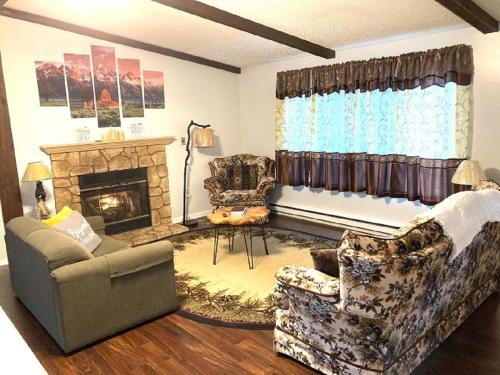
x=81 y=297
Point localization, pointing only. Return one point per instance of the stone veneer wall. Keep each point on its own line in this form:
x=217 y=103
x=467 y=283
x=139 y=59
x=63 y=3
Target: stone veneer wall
x=67 y=166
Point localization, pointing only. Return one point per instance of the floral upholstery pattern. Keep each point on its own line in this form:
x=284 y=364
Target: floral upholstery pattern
x=240 y=180
x=486 y=184
x=395 y=301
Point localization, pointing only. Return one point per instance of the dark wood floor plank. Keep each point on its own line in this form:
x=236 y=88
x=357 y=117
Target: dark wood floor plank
x=176 y=345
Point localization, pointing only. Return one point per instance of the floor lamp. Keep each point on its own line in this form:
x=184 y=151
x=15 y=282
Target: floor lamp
x=203 y=138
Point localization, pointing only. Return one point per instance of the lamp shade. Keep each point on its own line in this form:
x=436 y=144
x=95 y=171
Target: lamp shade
x=36 y=171
x=469 y=172
x=203 y=137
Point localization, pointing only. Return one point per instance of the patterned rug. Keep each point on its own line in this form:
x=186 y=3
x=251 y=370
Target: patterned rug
x=229 y=293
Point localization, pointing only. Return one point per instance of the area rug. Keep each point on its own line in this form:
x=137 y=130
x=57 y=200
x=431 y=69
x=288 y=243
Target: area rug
x=229 y=293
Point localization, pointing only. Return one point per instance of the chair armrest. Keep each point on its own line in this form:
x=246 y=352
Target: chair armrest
x=97 y=223
x=265 y=185
x=215 y=184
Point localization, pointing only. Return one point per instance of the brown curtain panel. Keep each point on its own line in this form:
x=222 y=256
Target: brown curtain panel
x=399 y=176
x=424 y=69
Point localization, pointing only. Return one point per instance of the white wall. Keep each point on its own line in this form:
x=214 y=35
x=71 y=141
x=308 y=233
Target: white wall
x=192 y=92
x=257 y=113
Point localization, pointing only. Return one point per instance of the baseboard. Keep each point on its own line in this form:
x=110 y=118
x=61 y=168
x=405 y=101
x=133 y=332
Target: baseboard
x=196 y=215
x=337 y=220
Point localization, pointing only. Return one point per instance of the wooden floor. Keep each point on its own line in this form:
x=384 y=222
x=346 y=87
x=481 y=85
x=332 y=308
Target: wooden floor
x=175 y=345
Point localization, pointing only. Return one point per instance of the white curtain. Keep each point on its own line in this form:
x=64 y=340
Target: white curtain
x=435 y=122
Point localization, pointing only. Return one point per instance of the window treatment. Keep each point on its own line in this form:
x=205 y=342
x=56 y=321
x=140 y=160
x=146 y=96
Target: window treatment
x=396 y=126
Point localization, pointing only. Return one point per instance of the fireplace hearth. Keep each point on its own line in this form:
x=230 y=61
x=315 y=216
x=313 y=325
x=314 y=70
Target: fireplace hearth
x=120 y=197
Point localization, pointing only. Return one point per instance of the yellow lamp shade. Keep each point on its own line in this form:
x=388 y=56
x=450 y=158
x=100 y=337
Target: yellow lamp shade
x=204 y=137
x=36 y=171
x=469 y=172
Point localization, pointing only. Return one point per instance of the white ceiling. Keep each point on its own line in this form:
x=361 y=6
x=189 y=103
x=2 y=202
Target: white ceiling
x=331 y=23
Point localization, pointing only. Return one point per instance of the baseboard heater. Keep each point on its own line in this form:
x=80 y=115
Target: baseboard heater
x=332 y=216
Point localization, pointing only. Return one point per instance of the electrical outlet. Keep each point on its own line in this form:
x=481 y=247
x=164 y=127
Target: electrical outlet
x=183 y=141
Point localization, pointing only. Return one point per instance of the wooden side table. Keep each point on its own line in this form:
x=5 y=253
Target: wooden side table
x=254 y=216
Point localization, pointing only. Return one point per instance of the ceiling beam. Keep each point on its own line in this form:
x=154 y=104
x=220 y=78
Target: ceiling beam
x=472 y=13
x=41 y=20
x=229 y=19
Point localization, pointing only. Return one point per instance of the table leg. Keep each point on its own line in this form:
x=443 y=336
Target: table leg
x=251 y=247
x=264 y=238
x=216 y=244
x=230 y=237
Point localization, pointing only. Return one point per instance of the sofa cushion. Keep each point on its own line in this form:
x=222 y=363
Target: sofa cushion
x=238 y=198
x=78 y=228
x=57 y=248
x=23 y=226
x=326 y=261
x=108 y=246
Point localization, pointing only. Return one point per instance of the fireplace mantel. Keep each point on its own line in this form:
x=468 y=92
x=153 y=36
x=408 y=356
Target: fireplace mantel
x=89 y=146
x=70 y=161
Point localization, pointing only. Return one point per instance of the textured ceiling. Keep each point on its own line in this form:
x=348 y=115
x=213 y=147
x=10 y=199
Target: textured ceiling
x=331 y=23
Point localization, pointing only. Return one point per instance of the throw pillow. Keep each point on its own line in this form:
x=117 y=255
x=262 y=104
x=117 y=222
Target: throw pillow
x=77 y=227
x=486 y=184
x=61 y=215
x=326 y=261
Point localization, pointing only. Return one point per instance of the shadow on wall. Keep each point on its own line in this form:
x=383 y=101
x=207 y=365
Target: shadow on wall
x=492 y=173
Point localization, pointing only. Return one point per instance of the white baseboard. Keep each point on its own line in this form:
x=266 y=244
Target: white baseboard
x=196 y=215
x=346 y=223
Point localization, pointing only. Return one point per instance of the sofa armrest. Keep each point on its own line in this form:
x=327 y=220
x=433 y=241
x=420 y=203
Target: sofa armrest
x=97 y=223
x=139 y=258
x=305 y=286
x=215 y=184
x=265 y=185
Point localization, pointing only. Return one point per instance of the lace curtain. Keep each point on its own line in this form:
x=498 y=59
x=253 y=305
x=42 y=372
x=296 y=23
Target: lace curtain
x=429 y=122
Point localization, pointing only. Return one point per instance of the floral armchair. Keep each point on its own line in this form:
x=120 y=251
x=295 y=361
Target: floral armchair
x=240 y=180
x=396 y=299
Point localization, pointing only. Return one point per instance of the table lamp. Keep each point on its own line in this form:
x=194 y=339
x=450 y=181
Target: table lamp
x=469 y=172
x=37 y=171
x=203 y=138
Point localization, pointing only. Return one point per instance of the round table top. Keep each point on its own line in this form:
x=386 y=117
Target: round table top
x=253 y=215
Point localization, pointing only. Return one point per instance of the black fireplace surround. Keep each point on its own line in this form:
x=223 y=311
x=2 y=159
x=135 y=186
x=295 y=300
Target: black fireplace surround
x=120 y=197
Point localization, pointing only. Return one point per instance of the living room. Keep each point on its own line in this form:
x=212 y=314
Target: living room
x=320 y=211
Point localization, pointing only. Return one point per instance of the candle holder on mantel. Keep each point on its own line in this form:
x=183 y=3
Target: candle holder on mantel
x=113 y=135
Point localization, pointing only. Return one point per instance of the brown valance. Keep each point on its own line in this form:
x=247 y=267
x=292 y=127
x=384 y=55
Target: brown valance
x=399 y=176
x=424 y=69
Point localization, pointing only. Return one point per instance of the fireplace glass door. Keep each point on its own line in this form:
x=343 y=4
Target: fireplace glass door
x=121 y=198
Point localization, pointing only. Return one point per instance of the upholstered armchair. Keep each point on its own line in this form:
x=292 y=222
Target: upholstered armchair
x=395 y=300
x=240 y=180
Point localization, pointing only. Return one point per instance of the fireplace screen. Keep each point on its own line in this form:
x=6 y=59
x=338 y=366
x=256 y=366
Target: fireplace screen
x=121 y=198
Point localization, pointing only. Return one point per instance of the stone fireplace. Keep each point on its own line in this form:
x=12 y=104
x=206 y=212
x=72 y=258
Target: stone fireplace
x=99 y=175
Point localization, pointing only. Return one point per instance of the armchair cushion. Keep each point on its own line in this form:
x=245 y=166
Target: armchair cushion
x=241 y=176
x=108 y=246
x=238 y=198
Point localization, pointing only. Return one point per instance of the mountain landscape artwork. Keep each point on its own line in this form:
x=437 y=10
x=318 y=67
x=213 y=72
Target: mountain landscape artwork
x=51 y=87
x=80 y=88
x=129 y=71
x=154 y=94
x=105 y=86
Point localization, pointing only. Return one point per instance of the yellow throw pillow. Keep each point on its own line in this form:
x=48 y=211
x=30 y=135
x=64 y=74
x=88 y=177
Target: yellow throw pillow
x=61 y=215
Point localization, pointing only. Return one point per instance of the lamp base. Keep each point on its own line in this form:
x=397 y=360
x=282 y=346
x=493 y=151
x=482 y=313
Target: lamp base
x=190 y=223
